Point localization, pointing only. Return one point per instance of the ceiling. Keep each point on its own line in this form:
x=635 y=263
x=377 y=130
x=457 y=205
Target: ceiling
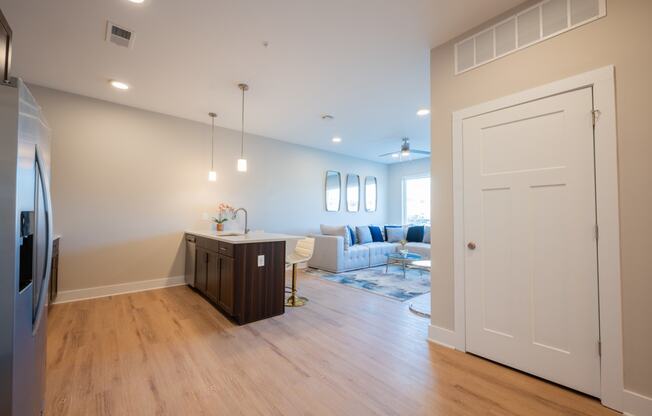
x=366 y=62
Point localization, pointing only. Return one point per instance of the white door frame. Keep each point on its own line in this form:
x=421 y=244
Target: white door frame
x=606 y=177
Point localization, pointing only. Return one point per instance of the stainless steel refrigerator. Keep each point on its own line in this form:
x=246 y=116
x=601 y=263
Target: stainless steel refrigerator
x=25 y=250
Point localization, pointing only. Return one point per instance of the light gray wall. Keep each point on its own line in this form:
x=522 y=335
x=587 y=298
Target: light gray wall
x=126 y=183
x=397 y=172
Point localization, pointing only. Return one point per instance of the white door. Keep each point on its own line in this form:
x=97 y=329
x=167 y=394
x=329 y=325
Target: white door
x=529 y=208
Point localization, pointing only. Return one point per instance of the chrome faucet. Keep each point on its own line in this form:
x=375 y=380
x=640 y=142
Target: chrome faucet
x=235 y=215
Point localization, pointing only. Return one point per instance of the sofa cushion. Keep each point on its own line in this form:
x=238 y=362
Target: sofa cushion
x=394 y=234
x=422 y=249
x=378 y=252
x=363 y=234
x=426 y=234
x=415 y=234
x=332 y=229
x=351 y=235
x=381 y=245
x=387 y=227
x=376 y=234
x=357 y=257
x=338 y=230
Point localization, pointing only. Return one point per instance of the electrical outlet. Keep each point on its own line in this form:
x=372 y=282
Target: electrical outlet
x=261 y=260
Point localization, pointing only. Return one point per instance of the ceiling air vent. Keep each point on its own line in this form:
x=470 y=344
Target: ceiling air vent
x=119 y=35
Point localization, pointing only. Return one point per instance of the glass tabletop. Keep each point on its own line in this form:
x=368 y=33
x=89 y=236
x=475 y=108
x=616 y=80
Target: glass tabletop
x=408 y=256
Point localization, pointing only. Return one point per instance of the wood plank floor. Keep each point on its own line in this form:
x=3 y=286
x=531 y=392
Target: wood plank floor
x=348 y=352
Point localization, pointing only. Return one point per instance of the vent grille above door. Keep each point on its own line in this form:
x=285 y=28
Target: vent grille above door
x=540 y=22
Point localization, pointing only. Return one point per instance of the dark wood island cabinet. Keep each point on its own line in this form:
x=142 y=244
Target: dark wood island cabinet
x=242 y=276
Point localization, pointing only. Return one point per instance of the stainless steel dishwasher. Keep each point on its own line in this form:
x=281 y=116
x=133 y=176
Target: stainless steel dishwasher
x=190 y=259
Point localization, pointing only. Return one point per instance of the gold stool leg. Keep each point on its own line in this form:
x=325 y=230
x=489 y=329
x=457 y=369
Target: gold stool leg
x=293 y=300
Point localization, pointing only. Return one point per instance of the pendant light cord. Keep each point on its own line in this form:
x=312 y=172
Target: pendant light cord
x=212 y=141
x=242 y=131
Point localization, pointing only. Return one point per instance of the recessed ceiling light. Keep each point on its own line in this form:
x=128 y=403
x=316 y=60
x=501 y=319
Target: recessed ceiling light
x=137 y=1
x=119 y=85
x=337 y=139
x=423 y=112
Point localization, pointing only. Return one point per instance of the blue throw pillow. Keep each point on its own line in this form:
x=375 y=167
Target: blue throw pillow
x=351 y=235
x=394 y=233
x=376 y=234
x=415 y=234
x=364 y=235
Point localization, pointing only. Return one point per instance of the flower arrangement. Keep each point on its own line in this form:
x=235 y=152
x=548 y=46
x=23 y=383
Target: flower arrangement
x=403 y=250
x=224 y=212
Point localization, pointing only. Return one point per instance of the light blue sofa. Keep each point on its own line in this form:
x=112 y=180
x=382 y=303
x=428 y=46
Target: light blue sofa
x=333 y=253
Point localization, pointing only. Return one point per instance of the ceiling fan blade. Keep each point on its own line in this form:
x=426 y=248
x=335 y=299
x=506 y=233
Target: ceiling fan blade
x=387 y=154
x=420 y=152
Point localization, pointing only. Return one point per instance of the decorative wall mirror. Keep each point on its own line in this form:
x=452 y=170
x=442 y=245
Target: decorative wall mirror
x=333 y=190
x=352 y=193
x=370 y=193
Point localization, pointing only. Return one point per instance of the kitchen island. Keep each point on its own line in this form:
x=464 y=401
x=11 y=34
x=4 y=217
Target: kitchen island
x=242 y=275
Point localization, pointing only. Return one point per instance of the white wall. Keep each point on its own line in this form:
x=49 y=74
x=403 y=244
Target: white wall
x=397 y=172
x=126 y=183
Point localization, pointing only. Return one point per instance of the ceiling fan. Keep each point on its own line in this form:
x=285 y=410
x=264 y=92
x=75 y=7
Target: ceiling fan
x=405 y=151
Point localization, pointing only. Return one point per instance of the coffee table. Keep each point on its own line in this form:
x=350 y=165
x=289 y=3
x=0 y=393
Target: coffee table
x=402 y=259
x=422 y=265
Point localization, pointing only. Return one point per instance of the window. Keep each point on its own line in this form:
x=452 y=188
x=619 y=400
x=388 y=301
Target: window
x=416 y=200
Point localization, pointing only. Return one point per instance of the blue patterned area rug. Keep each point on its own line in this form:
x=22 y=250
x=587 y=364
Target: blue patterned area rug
x=375 y=280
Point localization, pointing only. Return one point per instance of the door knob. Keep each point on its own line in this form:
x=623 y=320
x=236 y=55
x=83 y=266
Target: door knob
x=471 y=245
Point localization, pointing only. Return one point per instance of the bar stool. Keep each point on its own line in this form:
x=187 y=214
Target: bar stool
x=302 y=253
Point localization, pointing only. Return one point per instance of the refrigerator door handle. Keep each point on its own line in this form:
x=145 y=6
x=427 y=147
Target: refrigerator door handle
x=47 y=202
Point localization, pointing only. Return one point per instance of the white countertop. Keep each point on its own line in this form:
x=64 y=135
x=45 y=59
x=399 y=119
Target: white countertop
x=252 y=237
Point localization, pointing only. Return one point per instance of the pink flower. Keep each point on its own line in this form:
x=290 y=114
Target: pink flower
x=224 y=207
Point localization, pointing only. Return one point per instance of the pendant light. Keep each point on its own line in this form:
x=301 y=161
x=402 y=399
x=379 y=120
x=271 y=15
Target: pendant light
x=242 y=162
x=212 y=175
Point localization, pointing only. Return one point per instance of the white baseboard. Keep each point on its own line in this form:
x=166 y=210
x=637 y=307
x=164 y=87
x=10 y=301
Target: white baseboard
x=636 y=404
x=442 y=336
x=66 y=296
